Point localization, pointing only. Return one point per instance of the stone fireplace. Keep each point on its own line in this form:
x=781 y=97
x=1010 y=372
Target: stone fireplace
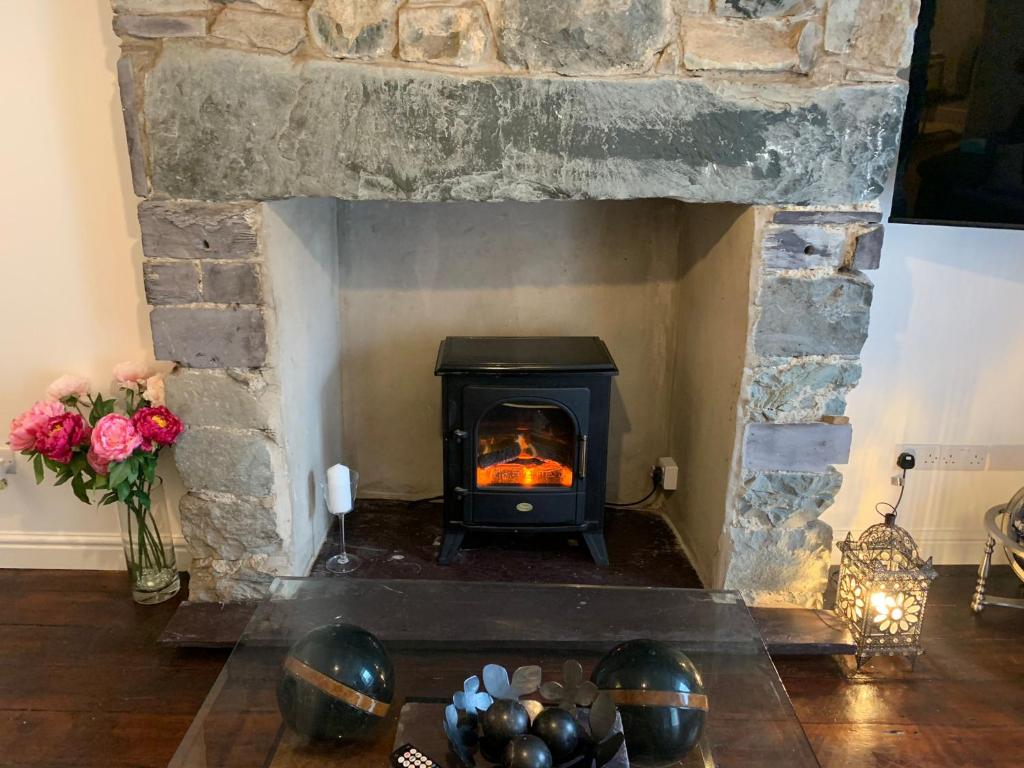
x=332 y=186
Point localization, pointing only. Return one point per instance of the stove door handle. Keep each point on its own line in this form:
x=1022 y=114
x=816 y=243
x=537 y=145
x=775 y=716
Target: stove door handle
x=459 y=491
x=583 y=456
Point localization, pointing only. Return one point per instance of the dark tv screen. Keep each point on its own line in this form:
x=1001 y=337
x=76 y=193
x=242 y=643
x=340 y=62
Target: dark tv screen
x=962 y=151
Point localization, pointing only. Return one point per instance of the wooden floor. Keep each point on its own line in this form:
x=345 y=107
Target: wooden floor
x=82 y=682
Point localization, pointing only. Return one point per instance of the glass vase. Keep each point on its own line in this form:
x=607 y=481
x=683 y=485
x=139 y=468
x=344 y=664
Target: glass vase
x=148 y=546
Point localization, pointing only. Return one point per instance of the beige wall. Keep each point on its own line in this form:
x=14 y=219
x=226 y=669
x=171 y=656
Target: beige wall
x=714 y=295
x=70 y=287
x=413 y=274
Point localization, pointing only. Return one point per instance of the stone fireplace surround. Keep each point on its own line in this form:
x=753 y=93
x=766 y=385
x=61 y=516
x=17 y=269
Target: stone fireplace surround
x=255 y=127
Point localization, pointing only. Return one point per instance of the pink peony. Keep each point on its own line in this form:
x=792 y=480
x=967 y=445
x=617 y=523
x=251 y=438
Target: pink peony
x=158 y=424
x=68 y=385
x=114 y=438
x=99 y=465
x=131 y=373
x=25 y=428
x=61 y=435
x=155 y=390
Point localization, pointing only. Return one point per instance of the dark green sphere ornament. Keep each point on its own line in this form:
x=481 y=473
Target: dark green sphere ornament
x=660 y=698
x=526 y=752
x=502 y=721
x=557 y=728
x=337 y=683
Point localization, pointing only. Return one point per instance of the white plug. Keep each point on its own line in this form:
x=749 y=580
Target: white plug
x=669 y=473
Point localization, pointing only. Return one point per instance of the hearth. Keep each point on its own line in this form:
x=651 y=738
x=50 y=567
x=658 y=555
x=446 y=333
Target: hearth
x=525 y=431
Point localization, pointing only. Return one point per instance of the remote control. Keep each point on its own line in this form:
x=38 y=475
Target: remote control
x=407 y=756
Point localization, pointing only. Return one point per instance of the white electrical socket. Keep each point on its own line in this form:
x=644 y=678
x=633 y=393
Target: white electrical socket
x=669 y=473
x=964 y=458
x=926 y=456
x=7 y=465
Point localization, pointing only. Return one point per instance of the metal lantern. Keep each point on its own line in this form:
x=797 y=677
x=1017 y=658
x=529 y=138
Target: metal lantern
x=883 y=586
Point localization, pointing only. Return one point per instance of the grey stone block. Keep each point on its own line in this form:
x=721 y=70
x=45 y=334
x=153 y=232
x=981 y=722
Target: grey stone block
x=585 y=37
x=752 y=9
x=132 y=131
x=796 y=447
x=826 y=217
x=780 y=566
x=222 y=581
x=160 y=6
x=812 y=316
x=231 y=283
x=225 y=461
x=201 y=337
x=800 y=247
x=364 y=29
x=259 y=30
x=160 y=26
x=171 y=282
x=227 y=527
x=788 y=389
x=867 y=251
x=786 y=499
x=233 y=398
x=504 y=137
x=193 y=230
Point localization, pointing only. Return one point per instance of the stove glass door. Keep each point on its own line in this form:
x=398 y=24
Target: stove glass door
x=526 y=444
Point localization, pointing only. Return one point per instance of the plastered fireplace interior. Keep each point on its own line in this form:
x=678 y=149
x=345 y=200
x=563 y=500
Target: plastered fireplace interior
x=332 y=187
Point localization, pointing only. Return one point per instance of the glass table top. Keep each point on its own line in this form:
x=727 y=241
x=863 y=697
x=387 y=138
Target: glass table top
x=438 y=633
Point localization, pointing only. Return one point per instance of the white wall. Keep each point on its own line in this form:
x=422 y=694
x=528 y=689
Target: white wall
x=70 y=287
x=944 y=363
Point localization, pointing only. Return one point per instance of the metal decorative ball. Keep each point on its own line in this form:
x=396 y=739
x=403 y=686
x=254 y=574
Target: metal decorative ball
x=526 y=752
x=558 y=729
x=337 y=683
x=502 y=721
x=660 y=697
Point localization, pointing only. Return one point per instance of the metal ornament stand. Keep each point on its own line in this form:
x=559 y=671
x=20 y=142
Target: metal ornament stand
x=999 y=521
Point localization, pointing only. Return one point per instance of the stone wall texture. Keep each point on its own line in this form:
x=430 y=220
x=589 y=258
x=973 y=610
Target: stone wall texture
x=791 y=105
x=809 y=320
x=752 y=101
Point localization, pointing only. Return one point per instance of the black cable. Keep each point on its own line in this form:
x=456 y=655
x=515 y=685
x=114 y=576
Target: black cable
x=427 y=500
x=654 y=489
x=896 y=506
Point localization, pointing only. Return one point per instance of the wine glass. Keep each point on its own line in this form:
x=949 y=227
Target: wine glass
x=343 y=562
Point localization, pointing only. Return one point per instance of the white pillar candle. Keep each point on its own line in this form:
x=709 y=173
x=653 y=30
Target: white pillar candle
x=339 y=490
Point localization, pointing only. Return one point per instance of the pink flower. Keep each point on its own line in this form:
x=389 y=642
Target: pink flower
x=131 y=373
x=25 y=428
x=114 y=438
x=99 y=465
x=68 y=385
x=158 y=424
x=155 y=389
x=61 y=435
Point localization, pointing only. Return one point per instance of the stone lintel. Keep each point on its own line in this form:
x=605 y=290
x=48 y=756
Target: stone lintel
x=796 y=447
x=226 y=124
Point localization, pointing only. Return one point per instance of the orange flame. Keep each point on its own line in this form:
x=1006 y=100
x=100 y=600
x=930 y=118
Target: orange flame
x=525 y=470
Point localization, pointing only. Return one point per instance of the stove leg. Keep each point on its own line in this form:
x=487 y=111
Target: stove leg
x=595 y=543
x=450 y=543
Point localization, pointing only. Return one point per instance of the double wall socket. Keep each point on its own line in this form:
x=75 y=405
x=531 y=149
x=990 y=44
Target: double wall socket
x=961 y=458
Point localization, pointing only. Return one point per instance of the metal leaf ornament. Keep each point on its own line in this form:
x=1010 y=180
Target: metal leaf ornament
x=573 y=691
x=525 y=680
x=470 y=700
x=460 y=738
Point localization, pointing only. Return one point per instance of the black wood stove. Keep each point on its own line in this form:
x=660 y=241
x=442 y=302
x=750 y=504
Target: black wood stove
x=525 y=425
